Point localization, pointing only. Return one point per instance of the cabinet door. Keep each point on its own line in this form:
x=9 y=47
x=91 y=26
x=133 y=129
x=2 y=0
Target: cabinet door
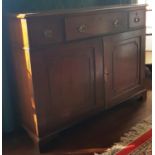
x=68 y=82
x=123 y=66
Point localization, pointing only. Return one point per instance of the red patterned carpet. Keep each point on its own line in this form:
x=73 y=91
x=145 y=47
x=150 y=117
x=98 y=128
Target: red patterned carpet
x=140 y=146
x=138 y=141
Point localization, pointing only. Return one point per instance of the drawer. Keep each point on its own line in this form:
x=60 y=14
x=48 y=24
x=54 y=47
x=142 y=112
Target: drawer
x=45 y=30
x=77 y=27
x=136 y=18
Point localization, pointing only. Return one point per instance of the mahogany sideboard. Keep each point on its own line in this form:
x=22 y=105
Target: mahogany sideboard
x=71 y=64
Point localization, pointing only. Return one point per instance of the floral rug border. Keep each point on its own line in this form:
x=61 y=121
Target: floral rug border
x=135 y=132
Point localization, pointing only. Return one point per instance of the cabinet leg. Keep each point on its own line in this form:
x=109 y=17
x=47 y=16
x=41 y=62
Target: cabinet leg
x=42 y=147
x=143 y=96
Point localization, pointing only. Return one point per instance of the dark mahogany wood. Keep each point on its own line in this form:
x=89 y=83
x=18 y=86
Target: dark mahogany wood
x=123 y=70
x=50 y=30
x=136 y=18
x=70 y=65
x=65 y=83
x=103 y=23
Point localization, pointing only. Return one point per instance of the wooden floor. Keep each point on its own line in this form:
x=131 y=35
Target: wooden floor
x=95 y=134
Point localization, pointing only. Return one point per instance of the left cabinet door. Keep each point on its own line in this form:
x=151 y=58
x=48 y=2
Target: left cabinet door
x=68 y=83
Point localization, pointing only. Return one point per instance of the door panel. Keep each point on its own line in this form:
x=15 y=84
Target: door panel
x=68 y=82
x=123 y=66
x=125 y=58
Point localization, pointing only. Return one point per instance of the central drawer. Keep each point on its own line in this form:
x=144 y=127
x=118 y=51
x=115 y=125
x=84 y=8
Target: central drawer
x=83 y=26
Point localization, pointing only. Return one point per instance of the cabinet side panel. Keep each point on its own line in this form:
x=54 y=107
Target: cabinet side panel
x=15 y=30
x=23 y=80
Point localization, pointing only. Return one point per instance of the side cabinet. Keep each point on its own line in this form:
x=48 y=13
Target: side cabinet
x=123 y=66
x=68 y=83
x=72 y=64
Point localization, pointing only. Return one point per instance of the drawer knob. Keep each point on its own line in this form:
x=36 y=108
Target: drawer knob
x=48 y=33
x=82 y=28
x=136 y=20
x=116 y=22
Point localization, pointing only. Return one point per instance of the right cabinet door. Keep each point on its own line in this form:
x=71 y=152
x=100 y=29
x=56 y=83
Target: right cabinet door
x=123 y=66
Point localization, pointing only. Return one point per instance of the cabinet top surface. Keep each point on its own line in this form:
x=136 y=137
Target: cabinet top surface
x=79 y=10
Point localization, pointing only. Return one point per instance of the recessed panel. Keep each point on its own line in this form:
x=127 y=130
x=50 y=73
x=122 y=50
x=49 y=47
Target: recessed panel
x=125 y=66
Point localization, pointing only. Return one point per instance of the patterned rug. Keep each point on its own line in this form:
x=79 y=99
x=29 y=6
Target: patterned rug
x=138 y=141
